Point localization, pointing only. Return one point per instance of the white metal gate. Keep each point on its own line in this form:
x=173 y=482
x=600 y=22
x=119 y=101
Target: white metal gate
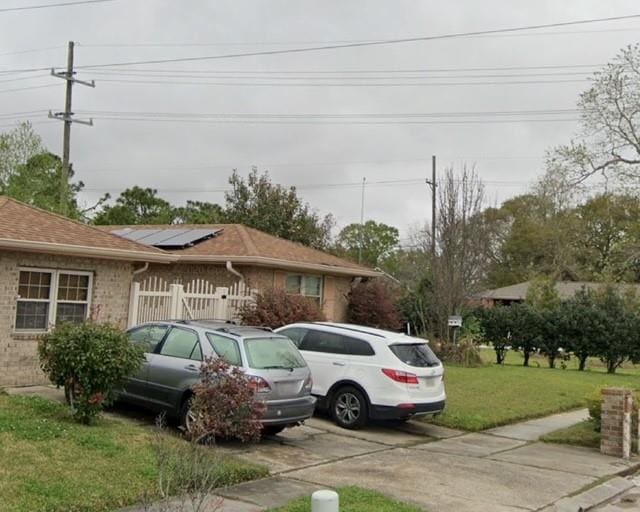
x=156 y=299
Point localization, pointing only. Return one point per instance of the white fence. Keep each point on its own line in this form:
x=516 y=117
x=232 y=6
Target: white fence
x=156 y=299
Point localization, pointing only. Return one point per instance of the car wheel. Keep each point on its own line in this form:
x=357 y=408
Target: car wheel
x=186 y=417
x=272 y=430
x=349 y=408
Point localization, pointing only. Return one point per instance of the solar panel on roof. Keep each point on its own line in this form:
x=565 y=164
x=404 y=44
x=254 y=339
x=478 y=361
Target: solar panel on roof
x=135 y=234
x=189 y=238
x=161 y=235
x=176 y=238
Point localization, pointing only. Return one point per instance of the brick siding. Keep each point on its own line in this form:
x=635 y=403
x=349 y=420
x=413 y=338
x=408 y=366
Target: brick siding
x=18 y=351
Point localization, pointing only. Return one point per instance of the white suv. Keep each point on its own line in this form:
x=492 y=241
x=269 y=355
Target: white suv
x=361 y=373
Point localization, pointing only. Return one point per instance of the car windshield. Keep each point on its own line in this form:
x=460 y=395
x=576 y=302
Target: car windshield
x=416 y=354
x=272 y=353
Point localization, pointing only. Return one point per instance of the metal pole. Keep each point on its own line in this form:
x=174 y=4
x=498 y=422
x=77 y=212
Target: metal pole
x=364 y=181
x=66 y=138
x=433 y=206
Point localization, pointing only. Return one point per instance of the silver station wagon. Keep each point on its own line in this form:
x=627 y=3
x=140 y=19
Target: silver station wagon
x=174 y=352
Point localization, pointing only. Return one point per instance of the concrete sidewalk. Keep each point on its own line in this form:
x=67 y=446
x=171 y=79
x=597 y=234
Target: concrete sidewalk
x=532 y=430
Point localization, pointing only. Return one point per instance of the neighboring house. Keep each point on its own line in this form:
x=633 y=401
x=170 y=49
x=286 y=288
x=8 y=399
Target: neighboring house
x=54 y=269
x=224 y=254
x=516 y=293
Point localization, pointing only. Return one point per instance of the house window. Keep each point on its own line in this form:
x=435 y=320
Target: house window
x=308 y=286
x=48 y=297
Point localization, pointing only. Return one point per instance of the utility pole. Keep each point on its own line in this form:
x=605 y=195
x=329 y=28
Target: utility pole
x=67 y=118
x=364 y=182
x=433 y=185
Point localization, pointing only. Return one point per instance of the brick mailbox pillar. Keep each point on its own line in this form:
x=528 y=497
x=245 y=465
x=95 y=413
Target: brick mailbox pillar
x=617 y=407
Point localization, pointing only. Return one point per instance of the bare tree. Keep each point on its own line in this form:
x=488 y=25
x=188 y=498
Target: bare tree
x=610 y=139
x=463 y=248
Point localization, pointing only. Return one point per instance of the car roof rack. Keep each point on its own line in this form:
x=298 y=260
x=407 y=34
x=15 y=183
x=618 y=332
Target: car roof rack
x=352 y=329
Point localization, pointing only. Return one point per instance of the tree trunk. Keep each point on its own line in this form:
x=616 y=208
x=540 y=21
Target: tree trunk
x=552 y=361
x=499 y=356
x=611 y=366
x=583 y=362
x=526 y=358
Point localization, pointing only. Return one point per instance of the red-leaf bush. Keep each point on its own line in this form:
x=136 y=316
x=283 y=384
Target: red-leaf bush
x=373 y=304
x=275 y=308
x=224 y=404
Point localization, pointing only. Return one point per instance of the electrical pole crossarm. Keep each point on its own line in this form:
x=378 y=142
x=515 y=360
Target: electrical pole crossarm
x=65 y=76
x=63 y=116
x=67 y=118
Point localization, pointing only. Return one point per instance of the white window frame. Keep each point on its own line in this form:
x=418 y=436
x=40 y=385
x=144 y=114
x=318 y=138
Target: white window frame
x=53 y=295
x=303 y=278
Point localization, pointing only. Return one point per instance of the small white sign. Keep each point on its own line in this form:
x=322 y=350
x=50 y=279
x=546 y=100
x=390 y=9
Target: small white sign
x=455 y=321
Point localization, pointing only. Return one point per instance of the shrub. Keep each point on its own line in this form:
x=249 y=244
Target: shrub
x=224 y=404
x=275 y=308
x=464 y=353
x=372 y=304
x=91 y=362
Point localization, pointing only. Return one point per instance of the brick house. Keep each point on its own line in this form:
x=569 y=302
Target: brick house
x=54 y=269
x=236 y=252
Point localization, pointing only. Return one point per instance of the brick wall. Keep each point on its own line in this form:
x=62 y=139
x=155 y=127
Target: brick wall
x=617 y=407
x=18 y=351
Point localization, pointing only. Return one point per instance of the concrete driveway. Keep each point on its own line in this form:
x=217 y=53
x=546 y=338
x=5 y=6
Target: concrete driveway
x=438 y=469
x=504 y=470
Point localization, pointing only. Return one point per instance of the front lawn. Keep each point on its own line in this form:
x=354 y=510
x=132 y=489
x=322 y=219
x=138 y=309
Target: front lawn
x=354 y=499
x=50 y=463
x=581 y=434
x=492 y=395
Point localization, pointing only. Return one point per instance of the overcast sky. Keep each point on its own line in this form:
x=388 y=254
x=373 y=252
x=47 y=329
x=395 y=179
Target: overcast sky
x=185 y=157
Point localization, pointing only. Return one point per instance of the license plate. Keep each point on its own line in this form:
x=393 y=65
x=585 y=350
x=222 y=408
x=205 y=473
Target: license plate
x=429 y=382
x=288 y=388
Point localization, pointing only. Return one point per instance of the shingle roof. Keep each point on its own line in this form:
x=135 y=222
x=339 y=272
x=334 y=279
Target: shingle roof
x=25 y=227
x=241 y=244
x=565 y=289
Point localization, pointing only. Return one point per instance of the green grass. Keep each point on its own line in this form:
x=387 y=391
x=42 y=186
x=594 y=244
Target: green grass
x=492 y=395
x=514 y=358
x=50 y=463
x=354 y=499
x=582 y=434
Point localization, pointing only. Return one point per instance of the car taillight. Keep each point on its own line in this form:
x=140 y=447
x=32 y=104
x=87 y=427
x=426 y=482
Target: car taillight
x=259 y=385
x=308 y=384
x=400 y=376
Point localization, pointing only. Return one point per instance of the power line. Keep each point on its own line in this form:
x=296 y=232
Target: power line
x=31 y=50
x=183 y=168
x=46 y=6
x=341 y=84
x=315 y=42
x=20 y=78
x=13 y=125
x=363 y=44
x=355 y=71
x=28 y=88
x=338 y=115
x=313 y=186
x=336 y=76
